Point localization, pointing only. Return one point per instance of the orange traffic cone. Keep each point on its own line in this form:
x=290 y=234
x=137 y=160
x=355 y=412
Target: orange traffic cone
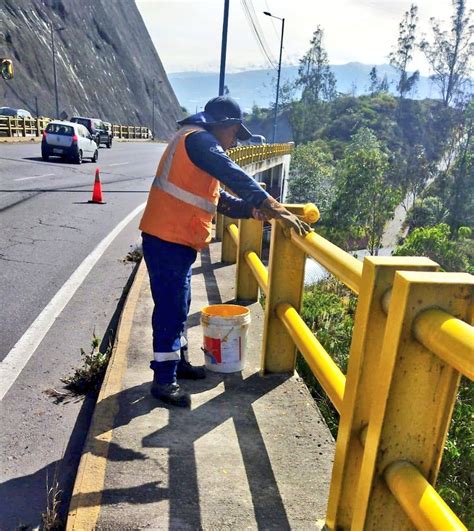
x=97 y=193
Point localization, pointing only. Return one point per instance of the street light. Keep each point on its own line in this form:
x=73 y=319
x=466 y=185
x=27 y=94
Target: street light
x=279 y=71
x=53 y=29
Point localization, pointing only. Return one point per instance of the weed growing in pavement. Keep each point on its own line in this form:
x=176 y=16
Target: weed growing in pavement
x=50 y=518
x=89 y=376
x=135 y=255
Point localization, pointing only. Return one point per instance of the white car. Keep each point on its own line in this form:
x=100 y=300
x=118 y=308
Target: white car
x=68 y=140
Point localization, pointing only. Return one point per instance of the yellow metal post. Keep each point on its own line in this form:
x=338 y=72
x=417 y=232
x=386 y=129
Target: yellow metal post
x=414 y=392
x=250 y=239
x=219 y=227
x=228 y=249
x=286 y=277
x=367 y=338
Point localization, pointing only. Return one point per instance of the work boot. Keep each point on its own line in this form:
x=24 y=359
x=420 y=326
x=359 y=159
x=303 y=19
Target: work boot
x=186 y=371
x=171 y=394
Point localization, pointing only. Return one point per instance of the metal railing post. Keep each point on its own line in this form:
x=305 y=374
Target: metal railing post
x=285 y=284
x=229 y=249
x=219 y=227
x=367 y=339
x=414 y=395
x=250 y=239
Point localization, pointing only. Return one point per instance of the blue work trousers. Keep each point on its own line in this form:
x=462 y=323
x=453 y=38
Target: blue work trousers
x=169 y=267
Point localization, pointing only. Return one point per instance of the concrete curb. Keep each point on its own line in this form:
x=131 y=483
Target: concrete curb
x=86 y=498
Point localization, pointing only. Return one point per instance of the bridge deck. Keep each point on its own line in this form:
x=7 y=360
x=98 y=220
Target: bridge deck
x=251 y=452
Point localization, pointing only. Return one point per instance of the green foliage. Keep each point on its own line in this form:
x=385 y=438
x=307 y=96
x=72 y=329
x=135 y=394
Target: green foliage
x=366 y=199
x=435 y=242
x=314 y=74
x=90 y=375
x=328 y=309
x=455 y=481
x=427 y=212
x=450 y=53
x=402 y=56
x=312 y=176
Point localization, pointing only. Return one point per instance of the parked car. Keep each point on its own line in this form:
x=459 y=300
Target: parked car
x=254 y=140
x=68 y=140
x=257 y=140
x=96 y=128
x=18 y=113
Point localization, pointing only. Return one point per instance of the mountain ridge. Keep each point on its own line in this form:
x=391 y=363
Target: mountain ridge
x=251 y=87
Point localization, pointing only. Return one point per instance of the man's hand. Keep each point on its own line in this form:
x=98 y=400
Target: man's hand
x=274 y=210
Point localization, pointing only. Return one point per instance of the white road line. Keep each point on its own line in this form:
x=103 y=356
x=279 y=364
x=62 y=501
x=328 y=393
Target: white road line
x=19 y=355
x=34 y=177
x=118 y=164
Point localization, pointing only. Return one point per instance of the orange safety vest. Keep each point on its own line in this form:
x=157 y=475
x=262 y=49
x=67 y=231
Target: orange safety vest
x=183 y=198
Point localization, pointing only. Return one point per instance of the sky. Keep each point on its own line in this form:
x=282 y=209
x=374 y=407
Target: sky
x=187 y=33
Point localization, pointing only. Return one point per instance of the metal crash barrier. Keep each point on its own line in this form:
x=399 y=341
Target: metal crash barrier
x=16 y=126
x=412 y=340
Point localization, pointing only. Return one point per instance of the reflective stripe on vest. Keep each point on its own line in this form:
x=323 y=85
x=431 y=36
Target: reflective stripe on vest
x=161 y=180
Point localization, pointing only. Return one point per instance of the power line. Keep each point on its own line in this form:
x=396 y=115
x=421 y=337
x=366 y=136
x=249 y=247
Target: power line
x=273 y=22
x=257 y=34
x=259 y=30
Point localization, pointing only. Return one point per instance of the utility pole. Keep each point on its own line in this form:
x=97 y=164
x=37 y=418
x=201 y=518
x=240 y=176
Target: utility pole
x=54 y=66
x=279 y=72
x=224 y=47
x=153 y=110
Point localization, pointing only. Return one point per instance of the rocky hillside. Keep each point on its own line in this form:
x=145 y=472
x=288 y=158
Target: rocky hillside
x=105 y=62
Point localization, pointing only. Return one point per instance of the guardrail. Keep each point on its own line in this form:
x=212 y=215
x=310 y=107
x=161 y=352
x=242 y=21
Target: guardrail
x=412 y=339
x=15 y=126
x=11 y=126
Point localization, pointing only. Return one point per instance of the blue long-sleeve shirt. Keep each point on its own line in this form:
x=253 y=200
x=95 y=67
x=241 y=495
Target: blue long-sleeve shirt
x=208 y=155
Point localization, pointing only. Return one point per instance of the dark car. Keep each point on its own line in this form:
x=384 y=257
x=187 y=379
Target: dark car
x=17 y=113
x=97 y=128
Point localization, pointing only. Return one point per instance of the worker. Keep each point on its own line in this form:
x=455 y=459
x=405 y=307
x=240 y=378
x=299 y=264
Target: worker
x=177 y=223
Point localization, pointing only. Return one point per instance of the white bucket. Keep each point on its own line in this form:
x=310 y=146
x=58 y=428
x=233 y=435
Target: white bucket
x=225 y=328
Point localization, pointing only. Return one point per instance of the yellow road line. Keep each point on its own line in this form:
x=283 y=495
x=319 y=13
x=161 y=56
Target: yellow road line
x=86 y=498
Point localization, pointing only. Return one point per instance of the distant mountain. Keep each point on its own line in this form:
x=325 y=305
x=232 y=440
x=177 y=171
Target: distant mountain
x=252 y=87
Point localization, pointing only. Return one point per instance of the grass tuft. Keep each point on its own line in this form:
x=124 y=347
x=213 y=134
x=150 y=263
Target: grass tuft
x=135 y=255
x=50 y=518
x=89 y=376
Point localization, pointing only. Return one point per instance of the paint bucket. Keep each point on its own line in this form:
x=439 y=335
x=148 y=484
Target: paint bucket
x=225 y=328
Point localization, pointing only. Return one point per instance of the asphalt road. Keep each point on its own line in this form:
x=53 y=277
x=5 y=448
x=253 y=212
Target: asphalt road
x=48 y=229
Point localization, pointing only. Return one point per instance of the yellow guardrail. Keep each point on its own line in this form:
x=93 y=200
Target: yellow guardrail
x=412 y=339
x=15 y=126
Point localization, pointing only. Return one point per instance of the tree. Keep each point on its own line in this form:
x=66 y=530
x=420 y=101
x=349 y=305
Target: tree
x=450 y=54
x=427 y=212
x=461 y=176
x=377 y=85
x=401 y=57
x=436 y=243
x=314 y=73
x=366 y=199
x=312 y=176
x=416 y=171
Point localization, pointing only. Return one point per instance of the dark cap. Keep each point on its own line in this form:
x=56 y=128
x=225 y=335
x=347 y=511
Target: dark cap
x=220 y=110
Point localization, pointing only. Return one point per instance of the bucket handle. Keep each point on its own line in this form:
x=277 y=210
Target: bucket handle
x=224 y=339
